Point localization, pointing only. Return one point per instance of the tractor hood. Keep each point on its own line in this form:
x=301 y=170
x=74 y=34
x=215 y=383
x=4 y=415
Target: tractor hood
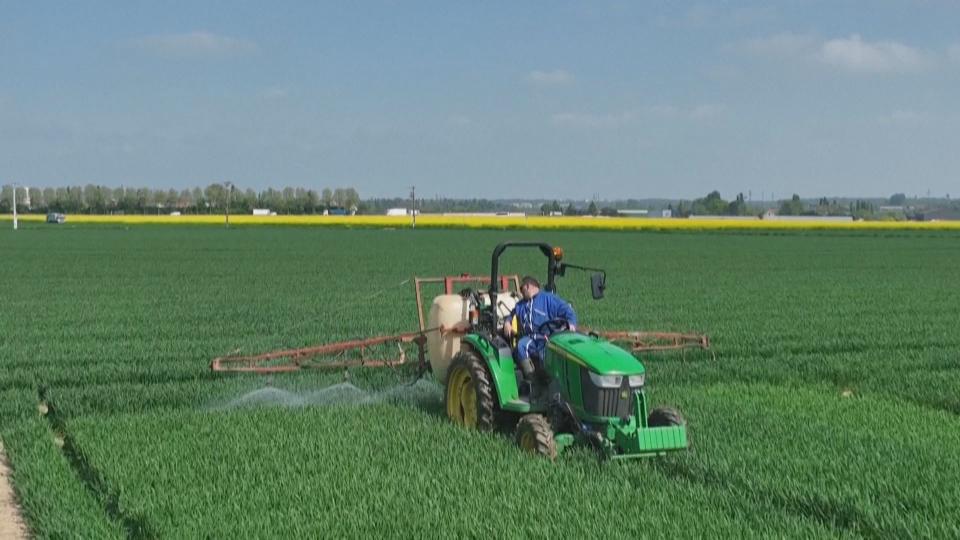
x=596 y=354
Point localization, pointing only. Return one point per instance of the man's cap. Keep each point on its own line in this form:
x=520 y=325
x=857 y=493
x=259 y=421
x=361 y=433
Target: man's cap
x=529 y=280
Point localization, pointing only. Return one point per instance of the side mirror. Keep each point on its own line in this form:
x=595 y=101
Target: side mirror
x=598 y=282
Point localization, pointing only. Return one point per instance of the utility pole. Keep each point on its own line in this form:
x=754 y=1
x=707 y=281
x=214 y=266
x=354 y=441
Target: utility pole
x=14 y=206
x=226 y=210
x=413 y=205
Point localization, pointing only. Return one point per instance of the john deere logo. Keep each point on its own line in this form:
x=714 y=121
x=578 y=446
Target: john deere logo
x=623 y=395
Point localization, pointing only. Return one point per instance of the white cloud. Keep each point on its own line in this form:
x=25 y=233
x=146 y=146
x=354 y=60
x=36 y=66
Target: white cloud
x=706 y=111
x=591 y=120
x=854 y=54
x=903 y=117
x=780 y=45
x=954 y=52
x=460 y=120
x=195 y=44
x=707 y=15
x=696 y=112
x=661 y=110
x=550 y=78
x=275 y=93
x=699 y=15
x=754 y=15
x=722 y=72
x=848 y=54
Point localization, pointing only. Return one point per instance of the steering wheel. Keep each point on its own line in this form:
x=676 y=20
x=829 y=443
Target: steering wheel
x=554 y=326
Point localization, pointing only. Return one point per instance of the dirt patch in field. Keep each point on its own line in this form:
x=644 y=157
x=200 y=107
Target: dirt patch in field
x=11 y=523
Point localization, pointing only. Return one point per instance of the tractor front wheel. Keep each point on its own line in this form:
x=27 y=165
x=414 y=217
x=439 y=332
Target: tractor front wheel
x=534 y=434
x=470 y=396
x=665 y=417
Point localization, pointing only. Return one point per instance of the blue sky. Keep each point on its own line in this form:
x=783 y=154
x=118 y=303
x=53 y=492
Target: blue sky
x=494 y=99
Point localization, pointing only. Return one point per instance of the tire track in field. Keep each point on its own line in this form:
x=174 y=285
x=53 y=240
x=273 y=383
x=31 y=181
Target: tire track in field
x=135 y=525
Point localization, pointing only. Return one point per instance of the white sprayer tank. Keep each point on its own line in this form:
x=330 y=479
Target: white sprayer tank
x=447 y=310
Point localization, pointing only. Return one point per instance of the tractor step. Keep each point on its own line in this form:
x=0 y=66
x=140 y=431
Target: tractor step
x=518 y=405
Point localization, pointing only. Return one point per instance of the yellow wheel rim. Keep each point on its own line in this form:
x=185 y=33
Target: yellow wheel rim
x=462 y=398
x=527 y=441
x=468 y=401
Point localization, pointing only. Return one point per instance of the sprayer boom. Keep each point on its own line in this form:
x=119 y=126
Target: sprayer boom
x=392 y=350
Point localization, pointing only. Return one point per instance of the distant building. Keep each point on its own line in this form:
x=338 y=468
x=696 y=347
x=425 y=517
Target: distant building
x=261 y=211
x=668 y=213
x=738 y=218
x=771 y=216
x=484 y=214
x=941 y=214
x=633 y=213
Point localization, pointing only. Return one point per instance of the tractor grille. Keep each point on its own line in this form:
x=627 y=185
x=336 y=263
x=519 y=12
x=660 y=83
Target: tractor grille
x=598 y=401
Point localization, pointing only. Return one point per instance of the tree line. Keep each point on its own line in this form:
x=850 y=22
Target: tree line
x=715 y=205
x=712 y=205
x=94 y=199
x=214 y=198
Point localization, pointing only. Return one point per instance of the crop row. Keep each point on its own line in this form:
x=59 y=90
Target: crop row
x=767 y=461
x=356 y=471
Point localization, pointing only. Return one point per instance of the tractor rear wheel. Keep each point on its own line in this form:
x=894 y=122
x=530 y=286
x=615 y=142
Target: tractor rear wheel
x=534 y=434
x=665 y=417
x=469 y=396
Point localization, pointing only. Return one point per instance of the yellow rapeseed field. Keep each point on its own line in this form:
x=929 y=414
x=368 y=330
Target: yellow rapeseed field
x=505 y=222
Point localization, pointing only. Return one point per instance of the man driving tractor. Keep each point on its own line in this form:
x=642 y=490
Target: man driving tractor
x=539 y=314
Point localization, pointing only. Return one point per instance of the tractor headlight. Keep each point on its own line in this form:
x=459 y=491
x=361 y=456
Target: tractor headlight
x=636 y=381
x=606 y=381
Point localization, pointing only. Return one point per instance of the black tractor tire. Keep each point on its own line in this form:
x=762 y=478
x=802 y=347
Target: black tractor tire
x=478 y=378
x=665 y=417
x=534 y=434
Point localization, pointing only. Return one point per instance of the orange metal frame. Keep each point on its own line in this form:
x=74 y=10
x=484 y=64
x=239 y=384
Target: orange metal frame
x=657 y=341
x=450 y=281
x=296 y=359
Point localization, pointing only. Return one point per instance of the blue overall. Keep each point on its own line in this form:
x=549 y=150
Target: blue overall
x=531 y=314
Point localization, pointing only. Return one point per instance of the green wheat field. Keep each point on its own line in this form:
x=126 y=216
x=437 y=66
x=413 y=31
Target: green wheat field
x=828 y=405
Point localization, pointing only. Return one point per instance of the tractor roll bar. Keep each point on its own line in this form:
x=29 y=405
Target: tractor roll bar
x=553 y=264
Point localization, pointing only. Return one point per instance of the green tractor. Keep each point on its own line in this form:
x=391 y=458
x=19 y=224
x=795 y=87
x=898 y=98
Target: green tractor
x=587 y=390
